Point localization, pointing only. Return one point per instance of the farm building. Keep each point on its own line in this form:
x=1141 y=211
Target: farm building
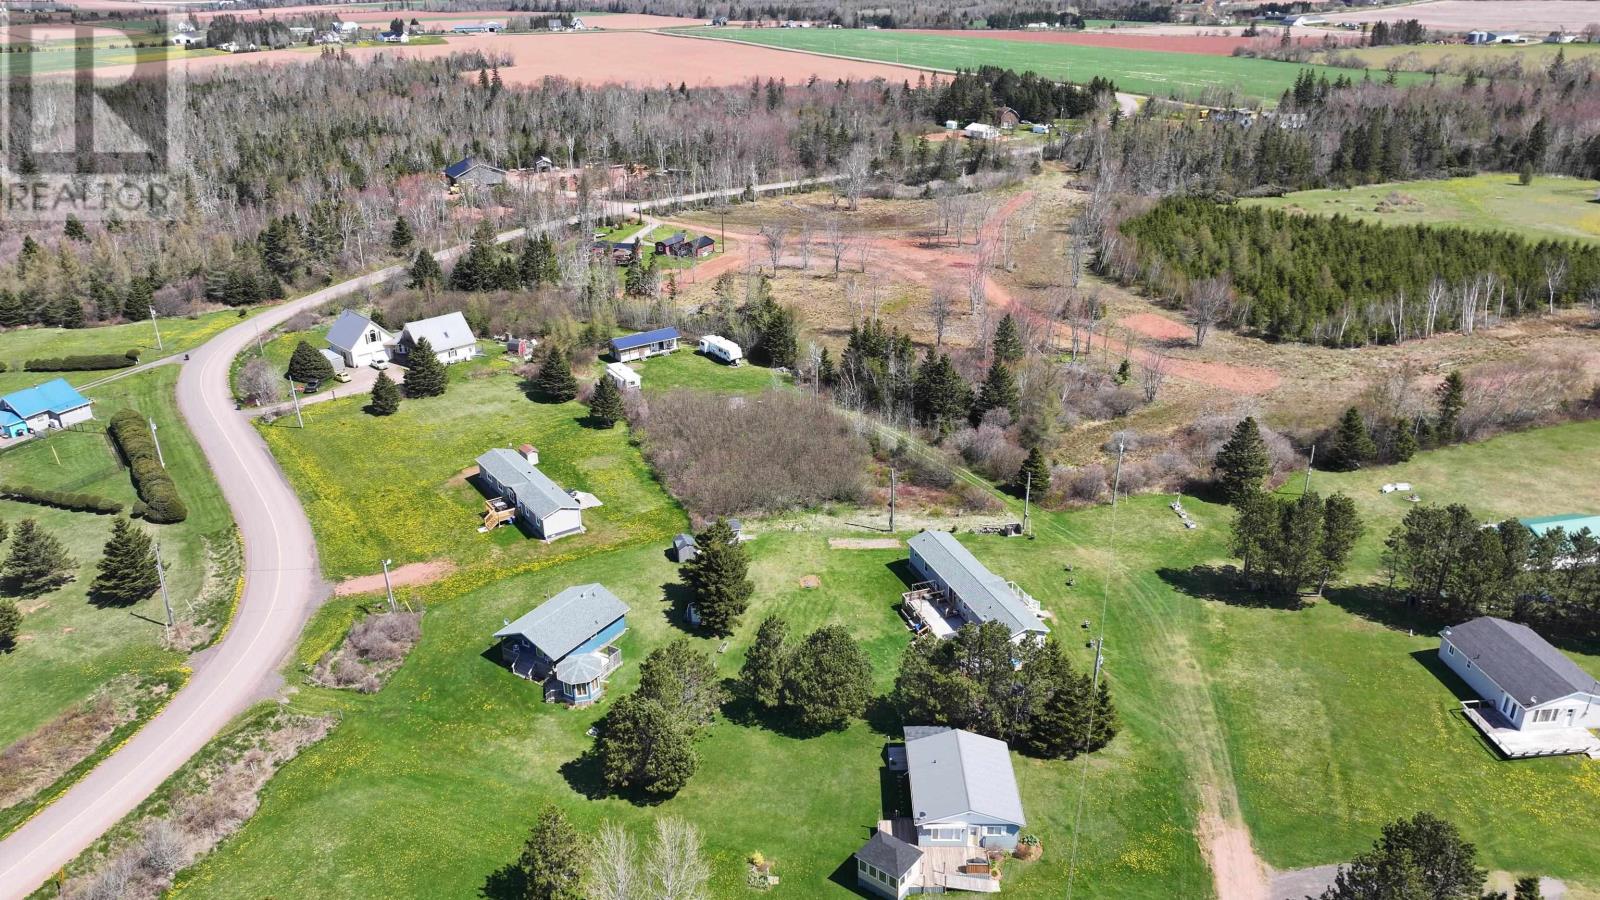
x=700 y=247
x=1571 y=523
x=957 y=589
x=519 y=491
x=622 y=375
x=568 y=642
x=471 y=171
x=189 y=39
x=668 y=246
x=644 y=344
x=1007 y=117
x=521 y=347
x=479 y=28
x=1494 y=37
x=964 y=805
x=395 y=37
x=1536 y=701
x=719 y=347
x=54 y=404
x=449 y=335
x=979 y=131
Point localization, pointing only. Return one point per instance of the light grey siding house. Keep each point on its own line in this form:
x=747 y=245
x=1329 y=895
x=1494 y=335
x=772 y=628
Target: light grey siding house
x=358 y=341
x=470 y=171
x=539 y=502
x=449 y=335
x=963 y=790
x=976 y=594
x=1531 y=684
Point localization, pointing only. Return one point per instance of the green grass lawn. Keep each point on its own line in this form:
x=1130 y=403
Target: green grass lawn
x=688 y=369
x=1488 y=56
x=393 y=487
x=50 y=62
x=277 y=348
x=19 y=345
x=1151 y=72
x=1550 y=207
x=71 y=647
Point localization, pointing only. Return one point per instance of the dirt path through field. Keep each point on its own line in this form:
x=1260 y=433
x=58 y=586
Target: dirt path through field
x=405 y=576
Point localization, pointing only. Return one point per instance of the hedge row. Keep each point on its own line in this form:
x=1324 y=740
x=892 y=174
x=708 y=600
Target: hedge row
x=93 y=503
x=160 y=496
x=85 y=363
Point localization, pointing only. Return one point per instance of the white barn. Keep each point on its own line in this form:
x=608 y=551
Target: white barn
x=721 y=348
x=1529 y=683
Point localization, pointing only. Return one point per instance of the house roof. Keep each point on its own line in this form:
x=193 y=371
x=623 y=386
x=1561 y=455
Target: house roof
x=684 y=540
x=531 y=487
x=7 y=417
x=890 y=854
x=673 y=240
x=704 y=240
x=446 y=332
x=467 y=163
x=954 y=773
x=643 y=338
x=1571 y=524
x=580 y=668
x=989 y=595
x=347 y=330
x=54 y=396
x=1521 y=662
x=561 y=624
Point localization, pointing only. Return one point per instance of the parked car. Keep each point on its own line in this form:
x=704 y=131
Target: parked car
x=342 y=376
x=380 y=364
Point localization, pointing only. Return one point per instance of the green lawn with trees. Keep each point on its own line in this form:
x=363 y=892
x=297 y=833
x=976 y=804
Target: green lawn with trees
x=19 y=345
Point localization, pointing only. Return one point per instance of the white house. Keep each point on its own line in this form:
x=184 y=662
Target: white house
x=978 y=131
x=53 y=404
x=721 y=348
x=536 y=500
x=449 y=335
x=644 y=344
x=1531 y=684
x=624 y=376
x=395 y=37
x=958 y=590
x=358 y=340
x=189 y=39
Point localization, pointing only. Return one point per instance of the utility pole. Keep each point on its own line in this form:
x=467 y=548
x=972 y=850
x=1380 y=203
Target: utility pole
x=159 y=456
x=1116 y=478
x=1027 y=498
x=387 y=587
x=157 y=327
x=161 y=576
x=295 y=396
x=891 y=499
x=1309 y=463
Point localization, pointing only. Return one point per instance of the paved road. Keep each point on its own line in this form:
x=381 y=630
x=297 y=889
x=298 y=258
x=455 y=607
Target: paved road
x=282 y=585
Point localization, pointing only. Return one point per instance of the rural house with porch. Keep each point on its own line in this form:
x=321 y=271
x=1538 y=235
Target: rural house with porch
x=53 y=404
x=955 y=589
x=1535 y=700
x=518 y=491
x=568 y=642
x=449 y=335
x=645 y=344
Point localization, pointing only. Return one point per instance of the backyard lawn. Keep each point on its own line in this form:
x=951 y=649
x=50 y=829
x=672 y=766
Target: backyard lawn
x=688 y=369
x=1551 y=207
x=1150 y=72
x=178 y=334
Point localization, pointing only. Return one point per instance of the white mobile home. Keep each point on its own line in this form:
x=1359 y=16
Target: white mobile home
x=957 y=590
x=527 y=494
x=719 y=347
x=1528 y=683
x=624 y=376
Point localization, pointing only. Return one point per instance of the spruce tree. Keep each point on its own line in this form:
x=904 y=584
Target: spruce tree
x=477 y=269
x=10 y=623
x=940 y=396
x=719 y=578
x=999 y=392
x=425 y=272
x=385 y=396
x=1452 y=399
x=307 y=366
x=1124 y=372
x=551 y=864
x=400 y=237
x=127 y=570
x=1352 y=444
x=761 y=676
x=1341 y=529
x=1035 y=468
x=1007 y=340
x=37 y=562
x=642 y=747
x=555 y=375
x=425 y=375
x=605 y=407
x=826 y=371
x=1405 y=441
x=827 y=680
x=780 y=341
x=137 y=304
x=1242 y=462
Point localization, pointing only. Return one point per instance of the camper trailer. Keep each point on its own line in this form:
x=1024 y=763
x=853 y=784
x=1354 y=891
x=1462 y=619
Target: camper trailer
x=718 y=347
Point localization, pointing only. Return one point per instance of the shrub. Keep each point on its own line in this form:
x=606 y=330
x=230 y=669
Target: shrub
x=92 y=503
x=155 y=487
x=83 y=363
x=989 y=450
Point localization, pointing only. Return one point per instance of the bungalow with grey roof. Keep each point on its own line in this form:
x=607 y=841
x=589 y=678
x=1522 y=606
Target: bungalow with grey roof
x=449 y=335
x=1527 y=684
x=568 y=642
x=957 y=589
x=472 y=171
x=519 y=491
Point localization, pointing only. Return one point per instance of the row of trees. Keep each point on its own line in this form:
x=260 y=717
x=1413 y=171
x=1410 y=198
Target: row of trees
x=559 y=863
x=38 y=563
x=974 y=96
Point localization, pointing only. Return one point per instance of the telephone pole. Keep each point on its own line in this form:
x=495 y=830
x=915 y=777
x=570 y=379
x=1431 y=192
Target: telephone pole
x=161 y=576
x=159 y=456
x=891 y=498
x=1027 y=498
x=388 y=588
x=157 y=327
x=1309 y=463
x=295 y=396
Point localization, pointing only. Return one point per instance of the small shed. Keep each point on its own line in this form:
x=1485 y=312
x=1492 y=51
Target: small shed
x=334 y=359
x=701 y=247
x=684 y=548
x=668 y=246
x=624 y=376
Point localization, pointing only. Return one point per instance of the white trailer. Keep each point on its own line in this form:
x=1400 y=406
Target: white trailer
x=624 y=376
x=718 y=347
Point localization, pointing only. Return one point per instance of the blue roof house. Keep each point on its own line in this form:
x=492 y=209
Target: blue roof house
x=568 y=642
x=54 y=404
x=644 y=344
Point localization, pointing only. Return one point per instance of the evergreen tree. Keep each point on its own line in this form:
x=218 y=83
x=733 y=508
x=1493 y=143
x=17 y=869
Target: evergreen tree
x=643 y=748
x=12 y=313
x=1242 y=462
x=684 y=681
x=1341 y=529
x=761 y=676
x=605 y=406
x=1124 y=372
x=940 y=396
x=1405 y=442
x=425 y=375
x=555 y=375
x=74 y=230
x=1352 y=444
x=827 y=680
x=1527 y=888
x=780 y=340
x=10 y=623
x=1007 y=340
x=1452 y=399
x=127 y=570
x=477 y=269
x=718 y=577
x=826 y=372
x=37 y=562
x=551 y=865
x=1424 y=857
x=385 y=396
x=425 y=272
x=137 y=305
x=400 y=237
x=999 y=392
x=1035 y=468
x=308 y=366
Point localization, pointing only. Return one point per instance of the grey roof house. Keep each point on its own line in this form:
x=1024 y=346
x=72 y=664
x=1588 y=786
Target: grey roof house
x=957 y=589
x=518 y=490
x=358 y=340
x=1527 y=684
x=568 y=642
x=449 y=335
x=472 y=171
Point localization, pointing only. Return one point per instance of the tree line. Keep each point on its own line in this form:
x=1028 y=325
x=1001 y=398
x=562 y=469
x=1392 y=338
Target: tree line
x=973 y=96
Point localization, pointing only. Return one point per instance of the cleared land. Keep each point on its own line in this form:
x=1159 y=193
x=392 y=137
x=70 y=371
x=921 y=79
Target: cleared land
x=1465 y=15
x=1463 y=57
x=19 y=345
x=1149 y=72
x=1130 y=39
x=1549 y=208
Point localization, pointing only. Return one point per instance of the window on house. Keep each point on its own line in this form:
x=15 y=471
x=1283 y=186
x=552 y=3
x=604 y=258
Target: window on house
x=946 y=834
x=993 y=830
x=1450 y=649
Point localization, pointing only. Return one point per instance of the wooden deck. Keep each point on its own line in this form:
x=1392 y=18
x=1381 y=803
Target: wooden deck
x=941 y=866
x=1529 y=743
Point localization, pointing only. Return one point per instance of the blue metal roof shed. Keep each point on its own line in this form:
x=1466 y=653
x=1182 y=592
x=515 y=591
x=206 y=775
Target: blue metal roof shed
x=54 y=396
x=643 y=339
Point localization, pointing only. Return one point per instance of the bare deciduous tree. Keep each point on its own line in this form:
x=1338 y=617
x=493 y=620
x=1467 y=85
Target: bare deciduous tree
x=1153 y=374
x=1555 y=276
x=259 y=383
x=676 y=868
x=940 y=301
x=1207 y=302
x=836 y=237
x=856 y=171
x=611 y=865
x=774 y=235
x=806 y=240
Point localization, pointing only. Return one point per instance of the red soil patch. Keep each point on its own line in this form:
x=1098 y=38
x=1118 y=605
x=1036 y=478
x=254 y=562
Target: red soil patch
x=1160 y=328
x=412 y=574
